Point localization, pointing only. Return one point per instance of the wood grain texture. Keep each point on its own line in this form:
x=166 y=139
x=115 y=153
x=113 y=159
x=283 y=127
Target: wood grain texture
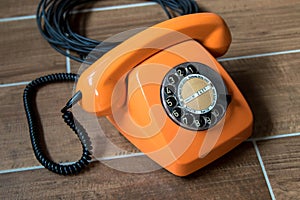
x=24 y=54
x=236 y=175
x=282 y=161
x=259 y=26
x=15 y=8
x=271 y=85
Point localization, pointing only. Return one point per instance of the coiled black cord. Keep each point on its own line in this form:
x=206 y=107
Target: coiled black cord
x=34 y=124
x=54 y=19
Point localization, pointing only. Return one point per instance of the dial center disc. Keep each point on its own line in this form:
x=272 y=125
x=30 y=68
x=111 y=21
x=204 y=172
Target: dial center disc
x=197 y=94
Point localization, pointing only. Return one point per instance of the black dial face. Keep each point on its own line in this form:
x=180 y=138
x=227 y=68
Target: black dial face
x=194 y=96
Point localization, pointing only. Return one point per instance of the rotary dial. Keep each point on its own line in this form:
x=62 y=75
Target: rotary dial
x=194 y=96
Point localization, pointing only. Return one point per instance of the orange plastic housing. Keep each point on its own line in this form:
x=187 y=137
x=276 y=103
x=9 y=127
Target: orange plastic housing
x=125 y=85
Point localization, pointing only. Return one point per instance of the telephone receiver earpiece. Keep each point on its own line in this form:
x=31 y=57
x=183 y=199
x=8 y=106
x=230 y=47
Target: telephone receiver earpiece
x=98 y=81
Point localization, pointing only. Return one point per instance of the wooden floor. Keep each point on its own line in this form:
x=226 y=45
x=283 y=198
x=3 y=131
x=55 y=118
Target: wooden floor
x=264 y=61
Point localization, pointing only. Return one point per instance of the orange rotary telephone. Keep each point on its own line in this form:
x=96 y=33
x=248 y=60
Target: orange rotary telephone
x=166 y=93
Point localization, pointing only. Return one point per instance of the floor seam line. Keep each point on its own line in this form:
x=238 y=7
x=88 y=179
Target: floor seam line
x=272 y=137
x=106 y=8
x=68 y=63
x=263 y=170
x=275 y=53
x=14 y=84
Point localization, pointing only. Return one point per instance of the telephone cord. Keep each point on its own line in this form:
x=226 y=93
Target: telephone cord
x=29 y=99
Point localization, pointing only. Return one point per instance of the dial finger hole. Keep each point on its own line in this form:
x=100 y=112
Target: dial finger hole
x=173 y=79
x=177 y=112
x=199 y=122
x=187 y=119
x=169 y=90
x=192 y=69
x=214 y=119
x=215 y=112
x=171 y=101
x=207 y=121
x=180 y=71
x=218 y=110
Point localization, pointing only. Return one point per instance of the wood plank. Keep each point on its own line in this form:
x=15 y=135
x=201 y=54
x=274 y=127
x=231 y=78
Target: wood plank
x=236 y=175
x=271 y=87
x=24 y=54
x=16 y=8
x=282 y=161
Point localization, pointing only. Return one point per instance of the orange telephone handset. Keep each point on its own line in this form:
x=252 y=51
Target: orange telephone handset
x=166 y=93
